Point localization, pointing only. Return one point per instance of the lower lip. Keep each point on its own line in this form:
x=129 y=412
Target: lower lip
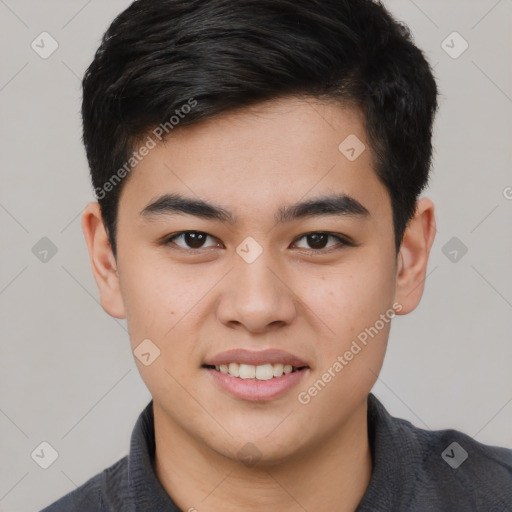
x=256 y=390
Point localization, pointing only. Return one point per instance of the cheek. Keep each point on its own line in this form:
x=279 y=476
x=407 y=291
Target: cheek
x=351 y=305
x=157 y=295
x=359 y=311
x=163 y=302
x=159 y=301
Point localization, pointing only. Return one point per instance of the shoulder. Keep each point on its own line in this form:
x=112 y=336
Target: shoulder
x=107 y=491
x=433 y=470
x=455 y=469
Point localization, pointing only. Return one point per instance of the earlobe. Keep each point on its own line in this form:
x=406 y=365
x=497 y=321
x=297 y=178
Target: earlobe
x=413 y=257
x=103 y=263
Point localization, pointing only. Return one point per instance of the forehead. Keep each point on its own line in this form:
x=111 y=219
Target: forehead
x=256 y=159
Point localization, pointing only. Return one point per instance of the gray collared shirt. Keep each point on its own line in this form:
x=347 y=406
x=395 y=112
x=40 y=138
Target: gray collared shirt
x=414 y=470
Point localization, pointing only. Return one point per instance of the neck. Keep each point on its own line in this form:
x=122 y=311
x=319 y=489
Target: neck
x=333 y=475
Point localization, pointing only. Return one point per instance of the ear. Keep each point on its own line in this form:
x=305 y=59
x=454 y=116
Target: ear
x=413 y=256
x=103 y=263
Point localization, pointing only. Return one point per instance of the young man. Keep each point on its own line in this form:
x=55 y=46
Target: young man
x=258 y=165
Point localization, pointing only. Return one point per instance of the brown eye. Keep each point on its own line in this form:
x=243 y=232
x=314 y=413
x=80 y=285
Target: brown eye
x=317 y=241
x=191 y=239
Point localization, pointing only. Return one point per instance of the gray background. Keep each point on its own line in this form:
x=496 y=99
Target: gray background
x=67 y=375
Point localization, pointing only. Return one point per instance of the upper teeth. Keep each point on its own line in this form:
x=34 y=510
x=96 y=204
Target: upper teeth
x=260 y=372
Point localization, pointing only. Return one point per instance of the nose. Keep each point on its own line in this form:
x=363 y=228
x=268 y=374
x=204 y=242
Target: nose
x=256 y=297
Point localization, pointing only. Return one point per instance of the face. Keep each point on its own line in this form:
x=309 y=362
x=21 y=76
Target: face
x=253 y=279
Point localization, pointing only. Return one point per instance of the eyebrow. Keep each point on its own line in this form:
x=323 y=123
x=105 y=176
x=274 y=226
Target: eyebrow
x=336 y=205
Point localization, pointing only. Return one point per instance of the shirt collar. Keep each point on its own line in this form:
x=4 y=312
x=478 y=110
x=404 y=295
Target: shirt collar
x=390 y=441
x=146 y=490
x=396 y=458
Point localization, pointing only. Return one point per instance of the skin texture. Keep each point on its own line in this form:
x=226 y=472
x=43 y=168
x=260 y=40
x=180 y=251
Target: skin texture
x=314 y=456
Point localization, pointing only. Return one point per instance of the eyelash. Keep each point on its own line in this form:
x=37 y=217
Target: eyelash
x=343 y=241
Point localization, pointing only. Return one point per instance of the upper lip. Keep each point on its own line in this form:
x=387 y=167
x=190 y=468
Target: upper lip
x=255 y=357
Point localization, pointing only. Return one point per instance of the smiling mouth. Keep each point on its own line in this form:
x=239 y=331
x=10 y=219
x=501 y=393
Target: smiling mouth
x=255 y=372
